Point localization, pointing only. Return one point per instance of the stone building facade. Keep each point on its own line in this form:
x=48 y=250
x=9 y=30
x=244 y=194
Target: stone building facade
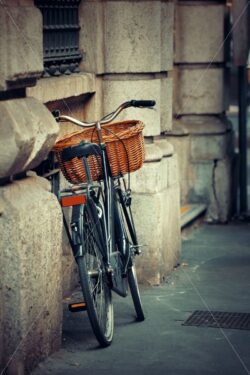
x=128 y=54
x=202 y=135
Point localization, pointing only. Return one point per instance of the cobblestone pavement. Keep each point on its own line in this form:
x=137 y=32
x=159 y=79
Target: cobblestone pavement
x=214 y=274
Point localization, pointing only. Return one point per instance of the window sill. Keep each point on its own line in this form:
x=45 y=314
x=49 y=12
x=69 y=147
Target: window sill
x=52 y=89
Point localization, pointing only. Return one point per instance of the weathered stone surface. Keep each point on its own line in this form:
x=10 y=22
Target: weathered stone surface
x=161 y=252
x=56 y=88
x=198 y=90
x=128 y=37
x=211 y=137
x=157 y=175
x=171 y=238
x=27 y=133
x=221 y=205
x=212 y=184
x=148 y=214
x=166 y=103
x=116 y=91
x=167 y=35
x=21 y=45
x=149 y=179
x=201 y=182
x=132 y=36
x=205 y=157
x=166 y=147
x=211 y=147
x=204 y=125
x=182 y=148
x=199 y=34
x=91 y=37
x=70 y=275
x=1 y=316
x=30 y=243
x=157 y=201
x=173 y=175
x=152 y=152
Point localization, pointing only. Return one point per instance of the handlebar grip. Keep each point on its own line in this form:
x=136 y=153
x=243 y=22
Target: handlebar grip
x=56 y=113
x=143 y=103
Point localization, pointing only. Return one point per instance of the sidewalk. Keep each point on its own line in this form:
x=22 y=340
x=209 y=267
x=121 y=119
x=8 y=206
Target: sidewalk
x=214 y=274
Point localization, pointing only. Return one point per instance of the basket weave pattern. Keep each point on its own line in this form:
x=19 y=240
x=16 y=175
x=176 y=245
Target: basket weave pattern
x=125 y=148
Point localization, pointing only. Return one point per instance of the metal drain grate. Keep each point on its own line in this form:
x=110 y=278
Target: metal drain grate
x=218 y=319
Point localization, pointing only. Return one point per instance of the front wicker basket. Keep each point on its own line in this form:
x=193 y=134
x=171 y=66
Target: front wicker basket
x=125 y=149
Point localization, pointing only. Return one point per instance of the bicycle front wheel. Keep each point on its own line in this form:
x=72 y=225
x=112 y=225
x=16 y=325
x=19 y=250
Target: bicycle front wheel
x=95 y=282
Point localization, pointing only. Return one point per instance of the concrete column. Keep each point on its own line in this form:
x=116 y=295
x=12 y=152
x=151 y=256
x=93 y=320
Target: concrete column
x=30 y=243
x=156 y=210
x=131 y=48
x=201 y=135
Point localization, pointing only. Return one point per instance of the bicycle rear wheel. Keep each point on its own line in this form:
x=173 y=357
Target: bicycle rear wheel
x=131 y=239
x=95 y=282
x=135 y=294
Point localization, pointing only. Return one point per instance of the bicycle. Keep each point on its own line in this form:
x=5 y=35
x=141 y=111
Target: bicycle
x=102 y=233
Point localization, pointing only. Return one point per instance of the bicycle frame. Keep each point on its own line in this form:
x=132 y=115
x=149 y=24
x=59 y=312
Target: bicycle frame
x=102 y=235
x=112 y=233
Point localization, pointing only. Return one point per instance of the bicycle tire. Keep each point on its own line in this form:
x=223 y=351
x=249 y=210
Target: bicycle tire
x=95 y=284
x=135 y=294
x=131 y=238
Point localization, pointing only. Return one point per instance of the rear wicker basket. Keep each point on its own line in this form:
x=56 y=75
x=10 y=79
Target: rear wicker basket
x=125 y=149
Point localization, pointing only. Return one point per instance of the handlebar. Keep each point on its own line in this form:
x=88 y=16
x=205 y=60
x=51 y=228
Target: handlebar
x=108 y=118
x=142 y=103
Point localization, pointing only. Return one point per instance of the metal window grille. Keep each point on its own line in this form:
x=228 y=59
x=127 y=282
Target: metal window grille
x=60 y=36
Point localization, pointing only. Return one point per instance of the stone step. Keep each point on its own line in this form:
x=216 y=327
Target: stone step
x=191 y=212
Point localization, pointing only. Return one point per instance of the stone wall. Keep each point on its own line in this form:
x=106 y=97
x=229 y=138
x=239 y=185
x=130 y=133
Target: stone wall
x=30 y=216
x=129 y=55
x=202 y=135
x=131 y=48
x=31 y=230
x=21 y=47
x=156 y=212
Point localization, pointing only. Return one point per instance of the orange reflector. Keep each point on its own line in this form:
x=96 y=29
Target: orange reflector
x=75 y=305
x=184 y=209
x=73 y=200
x=80 y=306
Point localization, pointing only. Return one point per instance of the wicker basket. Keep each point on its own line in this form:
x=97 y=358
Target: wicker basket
x=125 y=149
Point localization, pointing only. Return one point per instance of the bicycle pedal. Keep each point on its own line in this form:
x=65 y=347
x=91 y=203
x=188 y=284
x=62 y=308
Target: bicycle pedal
x=78 y=306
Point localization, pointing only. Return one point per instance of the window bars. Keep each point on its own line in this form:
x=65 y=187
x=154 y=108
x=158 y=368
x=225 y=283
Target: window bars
x=61 y=52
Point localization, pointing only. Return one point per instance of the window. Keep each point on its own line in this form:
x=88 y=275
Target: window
x=61 y=52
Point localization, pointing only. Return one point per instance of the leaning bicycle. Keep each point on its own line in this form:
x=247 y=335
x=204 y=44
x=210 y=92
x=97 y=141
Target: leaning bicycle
x=102 y=232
